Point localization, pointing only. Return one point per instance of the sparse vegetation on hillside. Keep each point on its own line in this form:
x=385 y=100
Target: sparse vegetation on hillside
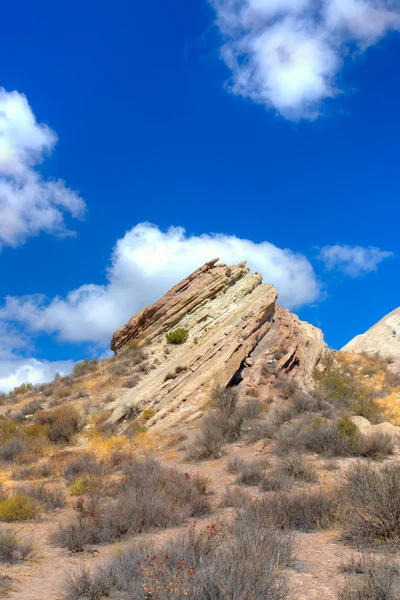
x=147 y=497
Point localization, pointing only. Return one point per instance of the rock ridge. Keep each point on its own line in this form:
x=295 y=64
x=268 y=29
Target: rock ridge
x=233 y=321
x=383 y=338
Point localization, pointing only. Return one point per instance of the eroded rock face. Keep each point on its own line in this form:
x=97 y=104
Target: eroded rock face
x=383 y=337
x=290 y=349
x=234 y=326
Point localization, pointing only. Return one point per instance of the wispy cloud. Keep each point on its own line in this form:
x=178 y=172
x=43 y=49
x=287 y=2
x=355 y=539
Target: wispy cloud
x=145 y=263
x=29 y=204
x=286 y=54
x=352 y=260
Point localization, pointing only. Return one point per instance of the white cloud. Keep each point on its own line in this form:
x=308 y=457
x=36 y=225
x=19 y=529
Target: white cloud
x=14 y=372
x=352 y=260
x=29 y=204
x=145 y=263
x=287 y=54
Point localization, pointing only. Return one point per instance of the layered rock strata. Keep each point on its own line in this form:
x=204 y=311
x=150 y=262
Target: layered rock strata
x=234 y=327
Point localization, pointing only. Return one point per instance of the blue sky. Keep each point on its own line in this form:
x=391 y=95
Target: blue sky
x=270 y=126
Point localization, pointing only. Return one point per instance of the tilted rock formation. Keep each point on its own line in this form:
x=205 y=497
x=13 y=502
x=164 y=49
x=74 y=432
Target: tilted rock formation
x=234 y=327
x=383 y=337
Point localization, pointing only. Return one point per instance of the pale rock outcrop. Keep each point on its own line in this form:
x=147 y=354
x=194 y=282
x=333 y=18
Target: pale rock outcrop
x=366 y=428
x=234 y=327
x=383 y=337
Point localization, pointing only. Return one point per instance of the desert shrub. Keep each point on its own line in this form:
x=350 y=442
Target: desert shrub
x=221 y=426
x=288 y=438
x=251 y=473
x=264 y=430
x=244 y=561
x=367 y=408
x=49 y=496
x=297 y=467
x=10 y=450
x=392 y=378
x=341 y=438
x=13 y=548
x=130 y=382
x=83 y=484
x=119 y=369
x=75 y=535
x=148 y=414
x=304 y=510
x=36 y=471
x=85 y=366
x=28 y=409
x=372 y=497
x=251 y=409
x=170 y=375
x=282 y=415
x=86 y=463
x=303 y=402
x=276 y=481
x=285 y=386
x=374 y=580
x=148 y=497
x=19 y=507
x=225 y=400
x=63 y=423
x=177 y=336
x=23 y=388
x=216 y=429
x=234 y=464
x=337 y=387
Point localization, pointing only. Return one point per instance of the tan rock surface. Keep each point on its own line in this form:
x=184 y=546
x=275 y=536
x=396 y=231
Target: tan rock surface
x=366 y=428
x=233 y=323
x=383 y=337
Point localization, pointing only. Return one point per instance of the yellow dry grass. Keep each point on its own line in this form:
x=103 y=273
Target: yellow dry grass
x=103 y=445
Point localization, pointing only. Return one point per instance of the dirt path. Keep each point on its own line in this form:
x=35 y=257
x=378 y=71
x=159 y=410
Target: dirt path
x=317 y=574
x=43 y=576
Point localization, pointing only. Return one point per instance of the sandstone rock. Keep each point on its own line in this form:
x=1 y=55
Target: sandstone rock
x=232 y=320
x=383 y=337
x=366 y=428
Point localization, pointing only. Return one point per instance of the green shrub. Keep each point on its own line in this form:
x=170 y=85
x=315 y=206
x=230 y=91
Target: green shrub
x=177 y=336
x=82 y=485
x=19 y=508
x=148 y=414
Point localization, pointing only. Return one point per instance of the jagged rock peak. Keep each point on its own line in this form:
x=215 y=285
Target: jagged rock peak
x=202 y=285
x=383 y=337
x=234 y=328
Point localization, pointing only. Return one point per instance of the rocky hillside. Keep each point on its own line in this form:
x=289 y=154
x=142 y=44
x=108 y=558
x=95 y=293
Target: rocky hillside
x=383 y=337
x=237 y=336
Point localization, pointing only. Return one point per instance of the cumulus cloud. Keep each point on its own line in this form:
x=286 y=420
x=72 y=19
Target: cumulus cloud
x=29 y=204
x=14 y=369
x=352 y=260
x=286 y=54
x=14 y=372
x=145 y=263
